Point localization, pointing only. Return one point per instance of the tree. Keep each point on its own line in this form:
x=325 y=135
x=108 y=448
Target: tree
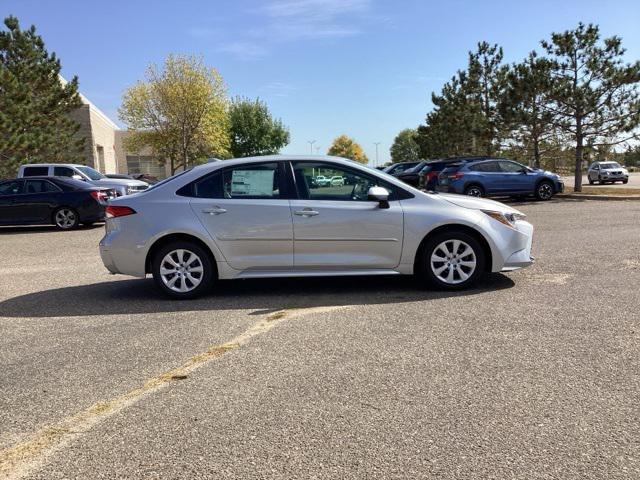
x=593 y=95
x=405 y=148
x=34 y=103
x=253 y=130
x=524 y=107
x=466 y=118
x=344 y=146
x=180 y=111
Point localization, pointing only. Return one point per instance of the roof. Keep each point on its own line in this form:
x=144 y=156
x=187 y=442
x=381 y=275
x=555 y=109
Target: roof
x=92 y=107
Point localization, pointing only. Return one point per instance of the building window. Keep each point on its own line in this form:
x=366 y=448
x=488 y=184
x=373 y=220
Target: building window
x=145 y=164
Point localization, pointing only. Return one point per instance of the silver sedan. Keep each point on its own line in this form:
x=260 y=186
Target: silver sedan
x=268 y=217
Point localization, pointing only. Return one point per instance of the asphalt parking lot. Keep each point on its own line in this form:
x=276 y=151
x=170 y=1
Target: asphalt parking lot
x=536 y=374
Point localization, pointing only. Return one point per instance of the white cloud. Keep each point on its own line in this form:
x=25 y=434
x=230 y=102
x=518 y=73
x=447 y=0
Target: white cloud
x=287 y=21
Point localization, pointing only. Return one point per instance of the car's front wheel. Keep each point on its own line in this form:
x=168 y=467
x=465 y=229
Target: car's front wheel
x=451 y=260
x=544 y=191
x=182 y=270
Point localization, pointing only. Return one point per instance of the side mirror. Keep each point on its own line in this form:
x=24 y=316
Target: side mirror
x=379 y=194
x=77 y=177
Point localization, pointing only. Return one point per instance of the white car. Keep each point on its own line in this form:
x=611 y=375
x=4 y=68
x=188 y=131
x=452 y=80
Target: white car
x=322 y=181
x=84 y=173
x=337 y=181
x=263 y=217
x=603 y=172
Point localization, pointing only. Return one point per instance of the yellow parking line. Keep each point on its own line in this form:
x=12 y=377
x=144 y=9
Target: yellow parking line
x=27 y=456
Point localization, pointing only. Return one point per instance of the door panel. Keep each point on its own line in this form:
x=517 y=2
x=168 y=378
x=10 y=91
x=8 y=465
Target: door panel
x=9 y=191
x=249 y=233
x=347 y=234
x=243 y=210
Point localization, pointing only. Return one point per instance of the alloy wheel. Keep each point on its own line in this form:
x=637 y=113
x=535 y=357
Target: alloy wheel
x=474 y=192
x=545 y=191
x=181 y=270
x=65 y=218
x=453 y=261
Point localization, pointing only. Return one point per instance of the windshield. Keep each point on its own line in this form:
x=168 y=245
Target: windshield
x=610 y=165
x=91 y=173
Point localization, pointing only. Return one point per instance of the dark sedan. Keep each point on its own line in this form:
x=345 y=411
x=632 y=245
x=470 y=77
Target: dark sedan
x=61 y=201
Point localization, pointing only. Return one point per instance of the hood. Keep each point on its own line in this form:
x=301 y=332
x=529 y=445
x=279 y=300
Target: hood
x=476 y=203
x=120 y=182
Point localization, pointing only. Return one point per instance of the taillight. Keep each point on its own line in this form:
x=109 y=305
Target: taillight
x=113 y=211
x=431 y=175
x=455 y=176
x=98 y=195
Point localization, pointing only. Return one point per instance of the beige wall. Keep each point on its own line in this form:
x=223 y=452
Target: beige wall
x=121 y=153
x=100 y=138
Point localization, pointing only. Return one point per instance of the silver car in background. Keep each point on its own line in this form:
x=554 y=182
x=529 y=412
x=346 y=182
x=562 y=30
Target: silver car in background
x=268 y=217
x=84 y=173
x=603 y=172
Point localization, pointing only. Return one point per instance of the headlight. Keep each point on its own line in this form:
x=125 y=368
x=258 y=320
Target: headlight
x=508 y=219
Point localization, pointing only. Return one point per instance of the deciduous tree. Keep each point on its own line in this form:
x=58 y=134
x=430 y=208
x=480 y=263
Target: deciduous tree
x=180 y=110
x=344 y=146
x=405 y=147
x=252 y=129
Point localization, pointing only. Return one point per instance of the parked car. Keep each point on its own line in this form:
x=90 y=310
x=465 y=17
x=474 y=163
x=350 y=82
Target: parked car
x=84 y=173
x=499 y=177
x=603 y=172
x=397 y=168
x=411 y=175
x=322 y=181
x=63 y=202
x=258 y=217
x=337 y=181
x=146 y=177
x=428 y=175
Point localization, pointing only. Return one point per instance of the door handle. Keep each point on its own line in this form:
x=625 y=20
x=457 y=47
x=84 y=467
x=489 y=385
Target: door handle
x=214 y=210
x=307 y=212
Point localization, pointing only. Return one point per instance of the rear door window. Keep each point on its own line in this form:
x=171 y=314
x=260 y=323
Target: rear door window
x=487 y=167
x=35 y=171
x=63 y=172
x=40 y=186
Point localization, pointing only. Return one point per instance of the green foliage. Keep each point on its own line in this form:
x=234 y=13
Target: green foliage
x=594 y=94
x=405 y=148
x=34 y=103
x=346 y=147
x=467 y=119
x=252 y=129
x=180 y=111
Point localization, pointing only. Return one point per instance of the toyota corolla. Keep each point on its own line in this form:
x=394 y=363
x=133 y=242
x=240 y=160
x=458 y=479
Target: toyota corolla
x=265 y=217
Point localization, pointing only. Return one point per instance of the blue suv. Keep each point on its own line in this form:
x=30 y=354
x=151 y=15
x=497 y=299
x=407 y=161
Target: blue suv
x=496 y=177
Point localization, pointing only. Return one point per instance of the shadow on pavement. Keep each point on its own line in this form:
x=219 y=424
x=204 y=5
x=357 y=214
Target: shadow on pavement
x=22 y=229
x=264 y=296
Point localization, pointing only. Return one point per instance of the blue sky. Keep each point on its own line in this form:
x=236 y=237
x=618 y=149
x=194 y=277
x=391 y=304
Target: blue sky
x=326 y=67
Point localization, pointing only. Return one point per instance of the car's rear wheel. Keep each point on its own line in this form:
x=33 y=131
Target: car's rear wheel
x=474 y=191
x=66 y=218
x=544 y=191
x=183 y=270
x=451 y=260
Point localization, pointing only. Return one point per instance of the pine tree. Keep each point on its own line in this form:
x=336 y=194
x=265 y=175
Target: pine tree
x=34 y=103
x=595 y=96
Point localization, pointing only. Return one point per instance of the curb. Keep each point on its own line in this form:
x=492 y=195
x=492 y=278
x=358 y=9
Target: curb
x=595 y=196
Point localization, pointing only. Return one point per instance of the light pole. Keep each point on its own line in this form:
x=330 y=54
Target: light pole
x=311 y=142
x=376 y=144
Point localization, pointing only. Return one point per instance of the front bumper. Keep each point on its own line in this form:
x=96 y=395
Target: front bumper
x=521 y=257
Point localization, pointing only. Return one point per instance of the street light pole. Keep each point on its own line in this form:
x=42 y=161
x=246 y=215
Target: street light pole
x=311 y=142
x=376 y=144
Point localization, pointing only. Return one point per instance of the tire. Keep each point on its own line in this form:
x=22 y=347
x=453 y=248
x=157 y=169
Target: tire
x=474 y=190
x=183 y=275
x=65 y=218
x=625 y=182
x=443 y=274
x=591 y=182
x=600 y=181
x=544 y=190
